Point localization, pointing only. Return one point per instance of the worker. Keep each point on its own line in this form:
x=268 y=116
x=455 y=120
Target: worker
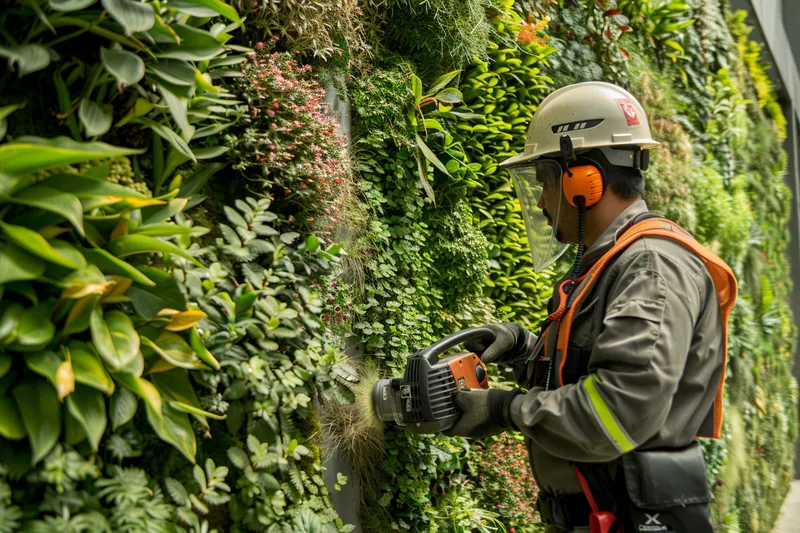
x=628 y=368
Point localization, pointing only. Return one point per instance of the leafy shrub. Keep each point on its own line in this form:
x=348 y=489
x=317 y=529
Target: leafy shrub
x=439 y=34
x=325 y=29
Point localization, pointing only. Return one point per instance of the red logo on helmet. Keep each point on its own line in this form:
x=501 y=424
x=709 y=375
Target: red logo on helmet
x=629 y=110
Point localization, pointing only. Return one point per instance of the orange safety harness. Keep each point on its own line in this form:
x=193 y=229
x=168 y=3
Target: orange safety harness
x=556 y=336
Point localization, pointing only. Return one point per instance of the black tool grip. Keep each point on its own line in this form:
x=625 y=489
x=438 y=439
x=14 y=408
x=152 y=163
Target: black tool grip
x=433 y=352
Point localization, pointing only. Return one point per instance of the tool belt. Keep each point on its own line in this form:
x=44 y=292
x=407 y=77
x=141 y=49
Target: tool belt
x=653 y=491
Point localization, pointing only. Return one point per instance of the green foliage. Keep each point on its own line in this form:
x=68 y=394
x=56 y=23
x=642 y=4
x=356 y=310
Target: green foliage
x=439 y=35
x=505 y=92
x=187 y=244
x=79 y=328
x=424 y=264
x=323 y=28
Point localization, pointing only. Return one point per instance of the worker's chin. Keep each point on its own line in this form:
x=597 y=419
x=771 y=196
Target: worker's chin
x=565 y=238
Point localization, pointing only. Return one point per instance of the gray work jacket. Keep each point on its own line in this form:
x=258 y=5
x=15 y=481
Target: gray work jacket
x=654 y=331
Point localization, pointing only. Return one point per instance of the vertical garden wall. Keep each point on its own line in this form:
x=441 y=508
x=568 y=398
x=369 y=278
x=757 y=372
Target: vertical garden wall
x=200 y=269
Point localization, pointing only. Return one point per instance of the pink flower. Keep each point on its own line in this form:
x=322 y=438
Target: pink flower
x=259 y=46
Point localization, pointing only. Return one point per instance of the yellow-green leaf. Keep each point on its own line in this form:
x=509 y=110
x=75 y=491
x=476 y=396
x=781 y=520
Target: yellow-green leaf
x=89 y=369
x=173 y=348
x=140 y=244
x=53 y=200
x=18 y=265
x=184 y=320
x=35 y=244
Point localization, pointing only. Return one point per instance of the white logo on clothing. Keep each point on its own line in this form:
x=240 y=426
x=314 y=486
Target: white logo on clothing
x=652 y=519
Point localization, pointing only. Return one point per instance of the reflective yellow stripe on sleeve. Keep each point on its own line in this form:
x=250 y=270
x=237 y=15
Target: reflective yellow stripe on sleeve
x=605 y=417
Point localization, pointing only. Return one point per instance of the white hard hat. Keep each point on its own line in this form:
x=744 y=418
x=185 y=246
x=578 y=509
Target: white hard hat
x=594 y=114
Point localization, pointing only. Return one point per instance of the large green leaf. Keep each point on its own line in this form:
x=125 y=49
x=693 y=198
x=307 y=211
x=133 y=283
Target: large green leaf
x=41 y=415
x=124 y=335
x=5 y=364
x=68 y=252
x=166 y=294
x=102 y=340
x=451 y=95
x=112 y=265
x=90 y=188
x=168 y=135
x=178 y=107
x=10 y=422
x=176 y=75
x=126 y=67
x=9 y=322
x=26 y=58
x=30 y=154
x=141 y=244
x=442 y=81
x=216 y=5
x=155 y=214
x=35 y=244
x=70 y=5
x=134 y=16
x=96 y=118
x=123 y=407
x=175 y=385
x=88 y=368
x=35 y=328
x=174 y=427
x=18 y=265
x=171 y=347
x=53 y=200
x=57 y=371
x=89 y=409
x=141 y=388
x=195 y=45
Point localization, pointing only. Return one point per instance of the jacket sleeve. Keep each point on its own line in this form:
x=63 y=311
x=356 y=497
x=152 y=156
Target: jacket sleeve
x=635 y=366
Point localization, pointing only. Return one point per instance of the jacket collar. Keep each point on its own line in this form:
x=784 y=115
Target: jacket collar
x=609 y=237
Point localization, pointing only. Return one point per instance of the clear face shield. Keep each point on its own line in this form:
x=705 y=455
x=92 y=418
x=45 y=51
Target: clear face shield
x=531 y=179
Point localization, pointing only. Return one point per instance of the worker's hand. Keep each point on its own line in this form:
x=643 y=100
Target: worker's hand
x=511 y=341
x=484 y=413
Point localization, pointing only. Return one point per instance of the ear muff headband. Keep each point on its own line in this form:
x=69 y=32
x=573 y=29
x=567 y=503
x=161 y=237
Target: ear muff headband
x=585 y=181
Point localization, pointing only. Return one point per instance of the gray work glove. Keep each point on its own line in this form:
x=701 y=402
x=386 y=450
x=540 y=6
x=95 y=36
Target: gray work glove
x=483 y=413
x=511 y=341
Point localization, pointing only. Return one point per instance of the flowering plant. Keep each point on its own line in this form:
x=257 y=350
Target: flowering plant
x=291 y=139
x=506 y=485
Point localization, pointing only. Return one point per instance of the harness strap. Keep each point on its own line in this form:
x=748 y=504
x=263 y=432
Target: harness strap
x=586 y=490
x=721 y=274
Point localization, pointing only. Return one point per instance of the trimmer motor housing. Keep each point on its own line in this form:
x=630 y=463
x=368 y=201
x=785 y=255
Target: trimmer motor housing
x=422 y=399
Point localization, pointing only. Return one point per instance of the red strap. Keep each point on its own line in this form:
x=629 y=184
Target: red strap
x=586 y=490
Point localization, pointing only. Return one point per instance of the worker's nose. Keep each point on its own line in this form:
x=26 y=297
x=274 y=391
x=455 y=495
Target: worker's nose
x=540 y=205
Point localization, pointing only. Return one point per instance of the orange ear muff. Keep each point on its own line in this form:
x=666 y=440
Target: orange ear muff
x=585 y=181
